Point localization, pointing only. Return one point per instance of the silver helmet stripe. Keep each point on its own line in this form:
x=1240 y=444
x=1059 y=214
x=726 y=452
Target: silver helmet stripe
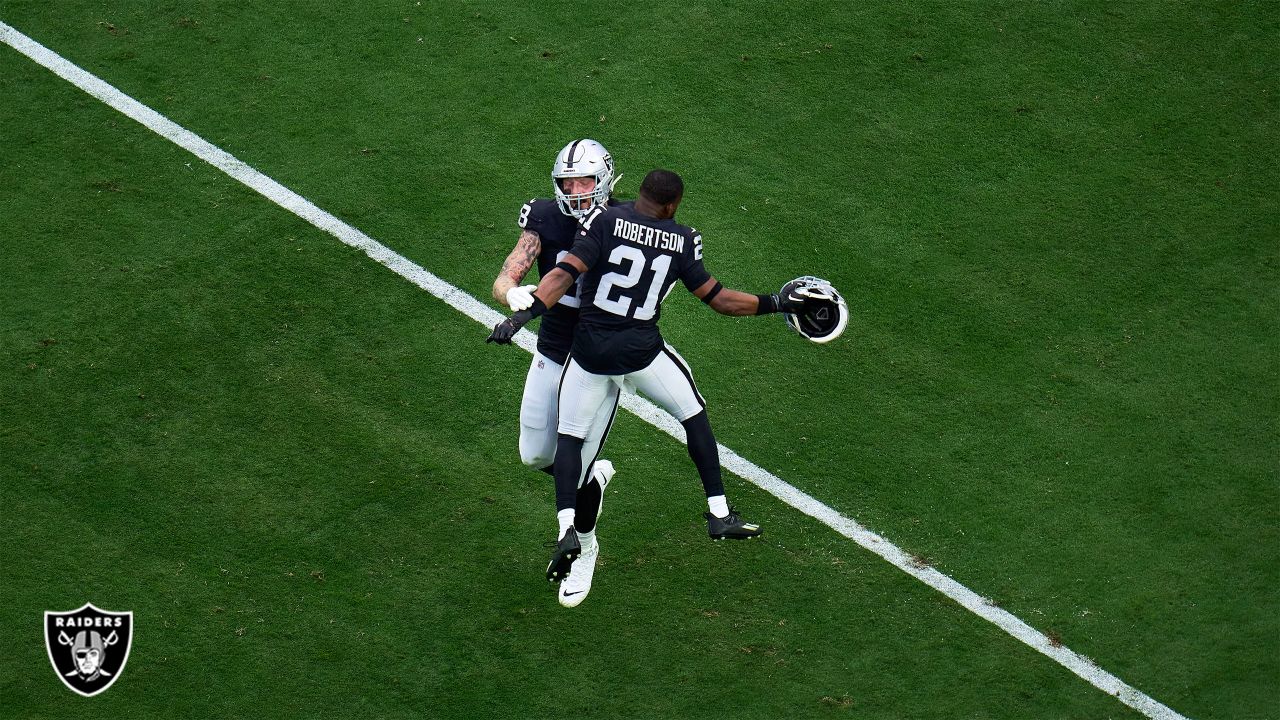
x=568 y=161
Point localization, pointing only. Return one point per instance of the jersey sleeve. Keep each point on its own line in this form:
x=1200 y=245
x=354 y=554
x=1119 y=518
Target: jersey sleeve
x=588 y=243
x=525 y=219
x=536 y=214
x=693 y=274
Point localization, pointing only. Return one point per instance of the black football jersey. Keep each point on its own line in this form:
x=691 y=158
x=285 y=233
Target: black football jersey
x=556 y=232
x=633 y=262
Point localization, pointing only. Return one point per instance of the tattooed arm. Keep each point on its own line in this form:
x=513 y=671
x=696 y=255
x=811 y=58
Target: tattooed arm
x=517 y=264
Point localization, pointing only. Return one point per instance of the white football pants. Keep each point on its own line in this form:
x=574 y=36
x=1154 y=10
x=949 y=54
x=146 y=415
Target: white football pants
x=538 y=417
x=666 y=381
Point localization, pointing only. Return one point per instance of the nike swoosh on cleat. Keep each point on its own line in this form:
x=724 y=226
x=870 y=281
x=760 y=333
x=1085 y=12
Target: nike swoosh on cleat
x=574 y=593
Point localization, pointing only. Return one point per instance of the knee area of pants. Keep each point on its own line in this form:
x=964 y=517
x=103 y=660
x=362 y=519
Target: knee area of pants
x=537 y=461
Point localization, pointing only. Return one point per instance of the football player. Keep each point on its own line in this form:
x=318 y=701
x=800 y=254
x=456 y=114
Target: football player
x=582 y=178
x=626 y=259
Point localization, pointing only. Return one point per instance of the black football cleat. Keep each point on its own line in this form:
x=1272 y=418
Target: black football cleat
x=568 y=548
x=731 y=526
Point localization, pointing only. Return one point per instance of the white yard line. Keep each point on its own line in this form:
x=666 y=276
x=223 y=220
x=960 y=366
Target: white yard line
x=486 y=316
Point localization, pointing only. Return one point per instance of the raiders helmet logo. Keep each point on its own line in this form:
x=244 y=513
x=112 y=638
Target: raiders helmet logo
x=88 y=647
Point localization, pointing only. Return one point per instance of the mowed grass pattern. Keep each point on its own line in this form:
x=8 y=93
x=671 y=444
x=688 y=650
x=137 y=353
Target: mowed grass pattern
x=1056 y=227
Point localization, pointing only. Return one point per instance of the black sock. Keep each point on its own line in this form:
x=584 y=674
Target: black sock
x=702 y=449
x=568 y=468
x=550 y=469
x=588 y=507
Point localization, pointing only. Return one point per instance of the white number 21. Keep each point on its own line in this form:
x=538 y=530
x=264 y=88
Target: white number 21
x=635 y=260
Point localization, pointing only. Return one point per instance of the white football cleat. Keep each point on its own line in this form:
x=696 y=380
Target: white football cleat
x=574 y=589
x=602 y=472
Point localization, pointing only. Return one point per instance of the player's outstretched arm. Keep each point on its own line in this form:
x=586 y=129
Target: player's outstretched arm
x=727 y=301
x=506 y=287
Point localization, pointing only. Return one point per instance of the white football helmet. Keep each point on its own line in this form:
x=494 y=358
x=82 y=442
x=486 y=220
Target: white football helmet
x=583 y=158
x=826 y=317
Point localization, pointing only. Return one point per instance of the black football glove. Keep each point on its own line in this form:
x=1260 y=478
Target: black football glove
x=801 y=297
x=796 y=302
x=505 y=330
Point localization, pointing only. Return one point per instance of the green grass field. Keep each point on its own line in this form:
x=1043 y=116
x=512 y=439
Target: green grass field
x=1057 y=226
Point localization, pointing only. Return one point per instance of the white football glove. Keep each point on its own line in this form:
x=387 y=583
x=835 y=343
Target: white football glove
x=520 y=297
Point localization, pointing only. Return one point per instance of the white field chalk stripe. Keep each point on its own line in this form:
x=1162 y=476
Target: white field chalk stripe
x=272 y=190
x=642 y=408
x=944 y=584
